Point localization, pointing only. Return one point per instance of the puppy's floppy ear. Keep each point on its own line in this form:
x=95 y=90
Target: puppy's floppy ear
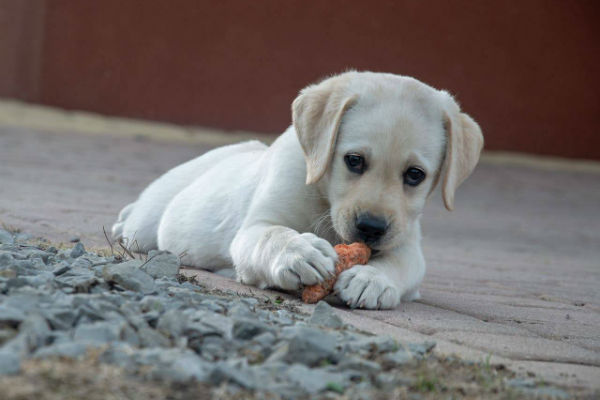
x=317 y=113
x=464 y=142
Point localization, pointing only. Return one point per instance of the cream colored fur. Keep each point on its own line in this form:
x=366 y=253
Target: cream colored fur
x=275 y=212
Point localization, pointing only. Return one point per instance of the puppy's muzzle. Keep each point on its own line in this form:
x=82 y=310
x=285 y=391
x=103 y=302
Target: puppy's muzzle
x=370 y=228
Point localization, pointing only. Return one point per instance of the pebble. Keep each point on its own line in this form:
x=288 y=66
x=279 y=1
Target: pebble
x=10 y=362
x=310 y=346
x=10 y=316
x=129 y=276
x=229 y=372
x=74 y=350
x=419 y=350
x=6 y=237
x=396 y=358
x=324 y=315
x=99 y=332
x=161 y=264
x=245 y=328
x=314 y=380
x=77 y=251
x=359 y=364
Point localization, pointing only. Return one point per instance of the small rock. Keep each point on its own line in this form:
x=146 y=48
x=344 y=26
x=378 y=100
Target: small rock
x=36 y=331
x=266 y=339
x=396 y=358
x=358 y=364
x=22 y=237
x=313 y=381
x=82 y=262
x=226 y=372
x=249 y=301
x=420 y=349
x=376 y=344
x=152 y=303
x=284 y=317
x=121 y=354
x=152 y=338
x=97 y=310
x=41 y=279
x=309 y=346
x=99 y=332
x=245 y=329
x=6 y=237
x=10 y=362
x=161 y=264
x=80 y=279
x=52 y=250
x=186 y=367
x=238 y=309
x=15 y=283
x=179 y=365
x=10 y=317
x=210 y=323
x=389 y=381
x=6 y=335
x=172 y=323
x=6 y=259
x=211 y=348
x=32 y=253
x=77 y=251
x=324 y=315
x=74 y=239
x=60 y=268
x=129 y=276
x=73 y=350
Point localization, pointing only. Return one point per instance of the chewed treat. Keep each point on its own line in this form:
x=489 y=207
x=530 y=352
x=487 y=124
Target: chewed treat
x=349 y=255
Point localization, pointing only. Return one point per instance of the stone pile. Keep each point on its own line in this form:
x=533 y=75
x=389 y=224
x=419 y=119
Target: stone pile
x=143 y=317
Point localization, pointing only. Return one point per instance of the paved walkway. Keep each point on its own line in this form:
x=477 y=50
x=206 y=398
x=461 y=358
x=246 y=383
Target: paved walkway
x=514 y=271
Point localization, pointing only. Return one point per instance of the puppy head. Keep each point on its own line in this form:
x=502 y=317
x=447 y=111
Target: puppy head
x=377 y=144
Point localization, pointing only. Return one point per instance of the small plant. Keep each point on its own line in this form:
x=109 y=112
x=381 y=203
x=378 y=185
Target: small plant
x=425 y=383
x=335 y=387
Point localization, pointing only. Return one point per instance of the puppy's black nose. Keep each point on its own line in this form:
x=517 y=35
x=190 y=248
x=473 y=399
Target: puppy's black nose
x=370 y=228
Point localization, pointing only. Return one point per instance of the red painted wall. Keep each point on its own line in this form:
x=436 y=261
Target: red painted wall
x=527 y=71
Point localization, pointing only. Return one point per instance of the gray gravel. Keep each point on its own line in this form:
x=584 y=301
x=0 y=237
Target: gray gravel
x=142 y=316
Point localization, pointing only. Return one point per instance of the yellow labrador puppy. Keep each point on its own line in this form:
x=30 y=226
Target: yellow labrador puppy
x=363 y=154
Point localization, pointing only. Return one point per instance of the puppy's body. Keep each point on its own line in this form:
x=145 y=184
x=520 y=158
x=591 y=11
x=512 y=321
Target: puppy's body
x=275 y=212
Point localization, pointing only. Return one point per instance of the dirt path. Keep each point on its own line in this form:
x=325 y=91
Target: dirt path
x=514 y=271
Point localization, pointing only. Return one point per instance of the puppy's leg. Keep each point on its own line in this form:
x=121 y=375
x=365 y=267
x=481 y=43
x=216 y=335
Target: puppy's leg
x=276 y=256
x=138 y=223
x=385 y=281
x=117 y=228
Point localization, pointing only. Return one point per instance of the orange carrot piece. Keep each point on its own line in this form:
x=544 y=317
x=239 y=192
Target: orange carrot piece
x=349 y=255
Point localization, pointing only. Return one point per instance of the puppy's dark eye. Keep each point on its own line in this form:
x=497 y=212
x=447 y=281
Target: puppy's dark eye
x=355 y=162
x=413 y=176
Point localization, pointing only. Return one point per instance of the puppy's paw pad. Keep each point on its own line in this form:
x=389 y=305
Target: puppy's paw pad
x=364 y=286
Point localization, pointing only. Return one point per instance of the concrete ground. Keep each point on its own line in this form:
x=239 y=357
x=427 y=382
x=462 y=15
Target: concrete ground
x=514 y=271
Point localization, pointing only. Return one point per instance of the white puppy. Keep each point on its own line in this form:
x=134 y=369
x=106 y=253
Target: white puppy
x=363 y=154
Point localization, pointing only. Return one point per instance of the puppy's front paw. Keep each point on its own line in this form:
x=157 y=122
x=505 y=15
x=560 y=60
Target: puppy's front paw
x=366 y=287
x=305 y=259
